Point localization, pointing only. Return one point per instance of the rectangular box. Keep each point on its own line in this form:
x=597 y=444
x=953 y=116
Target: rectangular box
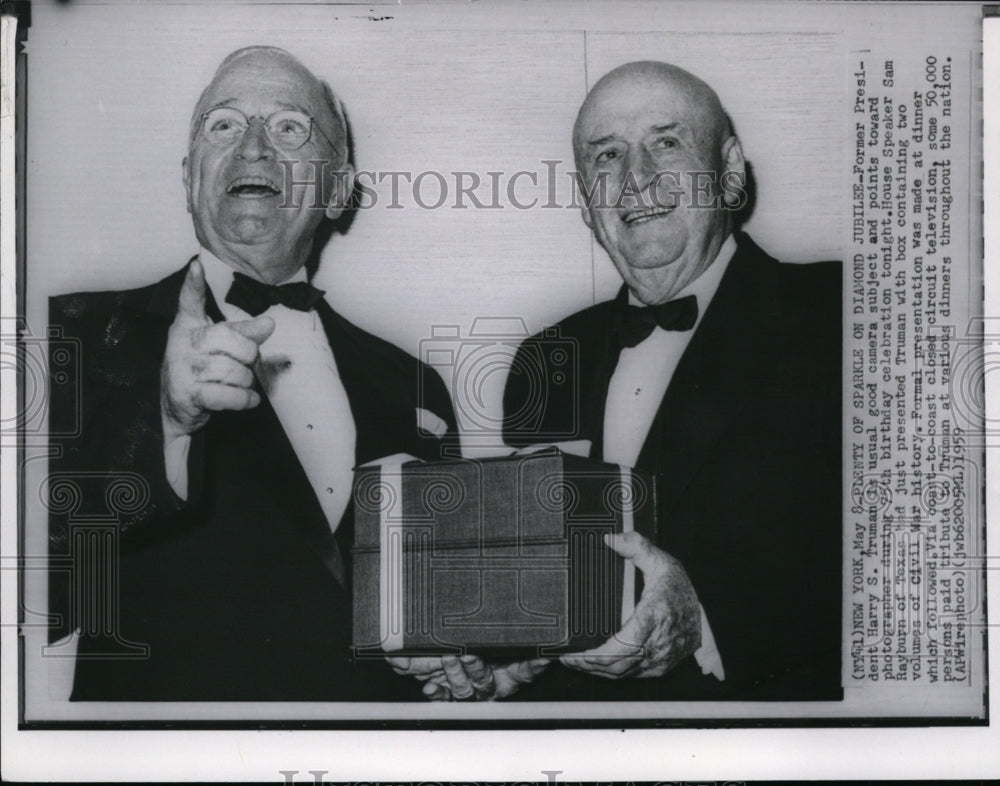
x=499 y=554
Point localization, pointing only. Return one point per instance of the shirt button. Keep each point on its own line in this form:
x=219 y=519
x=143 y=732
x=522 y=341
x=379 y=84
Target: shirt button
x=309 y=426
x=329 y=490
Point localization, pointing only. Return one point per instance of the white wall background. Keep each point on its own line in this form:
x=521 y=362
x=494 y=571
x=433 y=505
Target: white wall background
x=110 y=103
x=431 y=88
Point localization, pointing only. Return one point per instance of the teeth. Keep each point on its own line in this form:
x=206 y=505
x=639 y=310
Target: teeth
x=645 y=214
x=253 y=181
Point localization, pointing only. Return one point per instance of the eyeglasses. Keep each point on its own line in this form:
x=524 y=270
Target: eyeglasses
x=288 y=129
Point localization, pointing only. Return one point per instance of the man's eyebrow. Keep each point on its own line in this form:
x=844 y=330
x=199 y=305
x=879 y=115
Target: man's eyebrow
x=666 y=127
x=286 y=105
x=600 y=140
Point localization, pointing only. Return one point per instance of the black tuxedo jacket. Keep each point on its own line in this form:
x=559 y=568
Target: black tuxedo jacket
x=234 y=594
x=746 y=449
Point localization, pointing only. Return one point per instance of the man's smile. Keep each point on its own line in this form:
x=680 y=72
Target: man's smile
x=253 y=187
x=645 y=214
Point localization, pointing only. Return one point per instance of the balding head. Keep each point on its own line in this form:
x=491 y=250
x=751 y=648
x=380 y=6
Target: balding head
x=264 y=59
x=656 y=134
x=267 y=160
x=633 y=82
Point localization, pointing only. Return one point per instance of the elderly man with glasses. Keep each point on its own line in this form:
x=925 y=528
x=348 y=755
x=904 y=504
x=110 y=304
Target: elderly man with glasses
x=238 y=403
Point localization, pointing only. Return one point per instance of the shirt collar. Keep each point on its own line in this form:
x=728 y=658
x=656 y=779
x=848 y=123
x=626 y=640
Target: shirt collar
x=705 y=286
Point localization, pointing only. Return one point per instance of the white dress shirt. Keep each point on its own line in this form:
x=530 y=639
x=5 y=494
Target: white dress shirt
x=636 y=391
x=299 y=374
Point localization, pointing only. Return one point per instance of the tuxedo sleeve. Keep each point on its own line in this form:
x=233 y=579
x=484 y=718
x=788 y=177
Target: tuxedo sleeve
x=106 y=441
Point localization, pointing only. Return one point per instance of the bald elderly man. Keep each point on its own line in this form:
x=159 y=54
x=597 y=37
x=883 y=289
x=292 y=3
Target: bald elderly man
x=718 y=370
x=236 y=402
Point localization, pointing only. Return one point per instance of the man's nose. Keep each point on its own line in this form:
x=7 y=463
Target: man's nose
x=642 y=166
x=255 y=143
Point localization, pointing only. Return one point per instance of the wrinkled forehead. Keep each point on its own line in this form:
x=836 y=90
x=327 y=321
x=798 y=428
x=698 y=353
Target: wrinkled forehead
x=632 y=97
x=261 y=79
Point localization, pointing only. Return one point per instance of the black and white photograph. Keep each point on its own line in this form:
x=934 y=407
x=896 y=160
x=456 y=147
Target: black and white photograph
x=555 y=377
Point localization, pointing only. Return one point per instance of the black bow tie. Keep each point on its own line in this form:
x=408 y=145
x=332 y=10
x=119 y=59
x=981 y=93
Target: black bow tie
x=634 y=324
x=255 y=297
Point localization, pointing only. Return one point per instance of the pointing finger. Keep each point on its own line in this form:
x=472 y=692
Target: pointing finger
x=191 y=302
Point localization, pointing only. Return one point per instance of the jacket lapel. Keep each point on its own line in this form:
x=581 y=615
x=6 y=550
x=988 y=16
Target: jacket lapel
x=381 y=387
x=597 y=365
x=289 y=481
x=719 y=375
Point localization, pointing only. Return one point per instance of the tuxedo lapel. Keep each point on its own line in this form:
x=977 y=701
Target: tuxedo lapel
x=573 y=393
x=593 y=399
x=287 y=479
x=720 y=372
x=381 y=387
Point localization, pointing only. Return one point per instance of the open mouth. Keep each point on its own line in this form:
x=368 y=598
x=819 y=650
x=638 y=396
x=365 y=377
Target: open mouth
x=253 y=188
x=646 y=214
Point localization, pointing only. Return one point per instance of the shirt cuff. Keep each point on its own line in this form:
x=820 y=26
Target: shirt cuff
x=707 y=655
x=175 y=456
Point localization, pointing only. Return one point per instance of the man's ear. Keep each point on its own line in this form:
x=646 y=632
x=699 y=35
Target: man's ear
x=340 y=196
x=186 y=177
x=733 y=162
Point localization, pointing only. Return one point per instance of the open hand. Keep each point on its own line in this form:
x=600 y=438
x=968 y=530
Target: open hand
x=666 y=625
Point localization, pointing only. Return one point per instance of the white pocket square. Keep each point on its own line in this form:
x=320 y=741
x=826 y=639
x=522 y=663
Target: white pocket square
x=431 y=423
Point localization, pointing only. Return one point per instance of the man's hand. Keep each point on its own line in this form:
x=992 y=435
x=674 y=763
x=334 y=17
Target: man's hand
x=468 y=678
x=666 y=625
x=206 y=367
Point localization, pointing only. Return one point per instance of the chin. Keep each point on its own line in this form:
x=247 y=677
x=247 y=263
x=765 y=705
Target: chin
x=653 y=252
x=651 y=261
x=249 y=230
